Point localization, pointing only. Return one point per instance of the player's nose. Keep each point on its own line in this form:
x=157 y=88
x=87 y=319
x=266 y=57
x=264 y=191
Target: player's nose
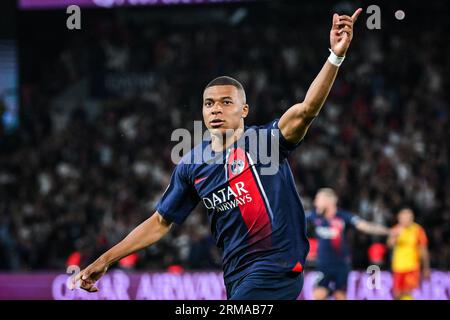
x=217 y=108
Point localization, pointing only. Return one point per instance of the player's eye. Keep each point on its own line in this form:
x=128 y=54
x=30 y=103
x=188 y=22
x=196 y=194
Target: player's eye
x=227 y=102
x=208 y=104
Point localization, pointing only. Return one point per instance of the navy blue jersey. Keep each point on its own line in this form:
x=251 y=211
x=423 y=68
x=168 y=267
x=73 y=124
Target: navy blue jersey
x=256 y=219
x=332 y=248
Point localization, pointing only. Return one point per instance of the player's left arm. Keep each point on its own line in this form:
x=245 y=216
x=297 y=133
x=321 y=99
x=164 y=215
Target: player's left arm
x=424 y=254
x=425 y=257
x=371 y=228
x=295 y=122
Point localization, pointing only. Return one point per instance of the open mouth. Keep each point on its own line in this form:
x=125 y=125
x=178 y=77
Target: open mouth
x=216 y=123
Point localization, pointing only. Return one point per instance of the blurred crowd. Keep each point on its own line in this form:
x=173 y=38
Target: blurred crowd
x=92 y=155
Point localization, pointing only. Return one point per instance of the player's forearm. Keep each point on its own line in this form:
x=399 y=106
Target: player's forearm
x=295 y=122
x=319 y=90
x=144 y=235
x=425 y=258
x=373 y=228
x=379 y=230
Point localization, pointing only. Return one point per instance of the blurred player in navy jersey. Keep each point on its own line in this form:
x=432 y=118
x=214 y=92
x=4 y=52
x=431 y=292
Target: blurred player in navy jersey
x=333 y=254
x=256 y=219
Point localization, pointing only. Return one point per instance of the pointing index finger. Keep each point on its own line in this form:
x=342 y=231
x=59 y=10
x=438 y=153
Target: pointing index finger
x=356 y=14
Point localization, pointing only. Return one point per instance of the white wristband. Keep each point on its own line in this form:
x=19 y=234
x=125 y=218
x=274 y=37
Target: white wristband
x=334 y=59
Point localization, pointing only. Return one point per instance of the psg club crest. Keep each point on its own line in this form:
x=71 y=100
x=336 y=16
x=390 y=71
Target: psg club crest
x=237 y=166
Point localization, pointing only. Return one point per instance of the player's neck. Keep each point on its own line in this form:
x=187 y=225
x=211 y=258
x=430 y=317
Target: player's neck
x=330 y=213
x=220 y=143
x=407 y=225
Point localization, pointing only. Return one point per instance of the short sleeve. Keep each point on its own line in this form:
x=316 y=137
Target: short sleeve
x=284 y=146
x=422 y=237
x=180 y=197
x=350 y=218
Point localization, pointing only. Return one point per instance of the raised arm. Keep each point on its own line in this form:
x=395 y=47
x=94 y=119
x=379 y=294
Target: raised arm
x=295 y=122
x=144 y=235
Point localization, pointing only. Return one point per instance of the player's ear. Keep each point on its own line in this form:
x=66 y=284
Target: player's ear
x=245 y=109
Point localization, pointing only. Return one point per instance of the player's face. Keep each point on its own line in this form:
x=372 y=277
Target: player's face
x=323 y=201
x=320 y=203
x=405 y=217
x=223 y=109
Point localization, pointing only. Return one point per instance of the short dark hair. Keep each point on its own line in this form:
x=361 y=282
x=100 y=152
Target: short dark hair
x=227 y=81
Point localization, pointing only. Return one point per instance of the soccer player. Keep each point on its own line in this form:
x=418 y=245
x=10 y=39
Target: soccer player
x=410 y=252
x=256 y=219
x=333 y=255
